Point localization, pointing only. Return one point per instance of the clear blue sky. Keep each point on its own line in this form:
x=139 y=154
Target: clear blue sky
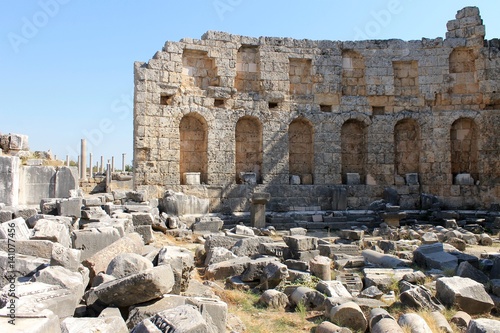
x=66 y=66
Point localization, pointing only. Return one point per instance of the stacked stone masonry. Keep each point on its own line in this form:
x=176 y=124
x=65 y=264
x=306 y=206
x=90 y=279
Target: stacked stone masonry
x=358 y=114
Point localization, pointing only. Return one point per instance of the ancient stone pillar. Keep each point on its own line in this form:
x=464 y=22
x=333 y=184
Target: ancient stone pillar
x=91 y=171
x=258 y=209
x=102 y=165
x=83 y=160
x=123 y=162
x=112 y=164
x=108 y=178
x=67 y=160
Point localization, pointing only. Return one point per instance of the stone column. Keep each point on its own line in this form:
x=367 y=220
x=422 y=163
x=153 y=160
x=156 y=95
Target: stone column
x=102 y=164
x=83 y=160
x=108 y=178
x=67 y=160
x=258 y=209
x=123 y=162
x=91 y=172
x=112 y=164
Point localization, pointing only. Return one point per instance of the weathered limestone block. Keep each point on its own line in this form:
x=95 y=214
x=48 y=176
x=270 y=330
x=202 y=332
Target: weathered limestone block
x=184 y=318
x=219 y=241
x=65 y=257
x=418 y=297
x=441 y=322
x=15 y=229
x=383 y=260
x=483 y=325
x=301 y=243
x=218 y=254
x=310 y=298
x=277 y=249
x=90 y=241
x=44 y=321
x=35 y=248
x=70 y=207
x=181 y=261
x=126 y=264
x=466 y=270
x=333 y=289
x=9 y=180
x=255 y=269
x=63 y=277
x=212 y=310
x=139 y=218
x=248 y=247
x=102 y=325
x=349 y=315
x=139 y=312
x=207 y=224
x=225 y=269
x=179 y=204
x=468 y=295
x=23 y=265
x=37 y=296
x=461 y=319
x=53 y=231
x=433 y=256
x=137 y=288
x=328 y=327
x=132 y=243
x=146 y=233
x=274 y=299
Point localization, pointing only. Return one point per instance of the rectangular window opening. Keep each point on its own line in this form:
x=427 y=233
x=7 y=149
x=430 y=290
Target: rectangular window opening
x=378 y=110
x=166 y=99
x=219 y=103
x=325 y=108
x=273 y=105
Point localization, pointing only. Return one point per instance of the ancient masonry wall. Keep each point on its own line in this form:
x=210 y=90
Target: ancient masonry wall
x=364 y=115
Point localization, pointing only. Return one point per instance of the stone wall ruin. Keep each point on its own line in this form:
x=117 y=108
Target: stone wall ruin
x=304 y=117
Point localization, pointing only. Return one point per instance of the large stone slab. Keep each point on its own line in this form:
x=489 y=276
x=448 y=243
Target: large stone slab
x=37 y=296
x=184 y=318
x=464 y=293
x=92 y=240
x=44 y=321
x=60 y=276
x=101 y=325
x=483 y=325
x=52 y=231
x=132 y=243
x=146 y=310
x=15 y=229
x=35 y=248
x=137 y=288
x=9 y=180
x=301 y=243
x=225 y=269
x=23 y=265
x=433 y=256
x=126 y=264
x=182 y=262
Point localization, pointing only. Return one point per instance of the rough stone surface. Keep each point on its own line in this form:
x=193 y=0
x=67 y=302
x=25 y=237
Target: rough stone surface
x=137 y=288
x=349 y=315
x=126 y=264
x=468 y=295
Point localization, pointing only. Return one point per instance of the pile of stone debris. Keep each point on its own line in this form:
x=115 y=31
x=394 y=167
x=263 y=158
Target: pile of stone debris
x=89 y=264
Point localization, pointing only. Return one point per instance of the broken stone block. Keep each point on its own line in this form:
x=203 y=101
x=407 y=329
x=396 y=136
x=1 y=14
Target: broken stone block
x=52 y=231
x=146 y=233
x=349 y=315
x=102 y=325
x=242 y=230
x=411 y=179
x=294 y=180
x=23 y=265
x=418 y=297
x=132 y=243
x=35 y=248
x=274 y=299
x=352 y=282
x=248 y=247
x=139 y=218
x=320 y=267
x=15 y=229
x=213 y=241
x=178 y=204
x=126 y=264
x=44 y=321
x=37 y=296
x=48 y=206
x=333 y=289
x=353 y=235
x=383 y=260
x=277 y=249
x=181 y=261
x=92 y=240
x=249 y=178
x=184 y=318
x=63 y=277
x=70 y=207
x=328 y=327
x=218 y=254
x=301 y=243
x=255 y=269
x=468 y=295
x=222 y=270
x=137 y=288
x=207 y=224
x=433 y=256
x=441 y=322
x=466 y=270
x=298 y=231
x=139 y=312
x=212 y=310
x=9 y=180
x=461 y=319
x=483 y=325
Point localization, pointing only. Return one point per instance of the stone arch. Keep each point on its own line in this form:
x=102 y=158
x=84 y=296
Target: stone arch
x=353 y=148
x=407 y=146
x=462 y=67
x=301 y=150
x=353 y=74
x=464 y=147
x=248 y=138
x=193 y=132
